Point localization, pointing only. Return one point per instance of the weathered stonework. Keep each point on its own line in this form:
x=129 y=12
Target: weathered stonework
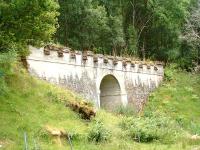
x=106 y=81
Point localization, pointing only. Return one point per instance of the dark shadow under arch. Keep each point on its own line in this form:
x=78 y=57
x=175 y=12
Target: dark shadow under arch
x=110 y=93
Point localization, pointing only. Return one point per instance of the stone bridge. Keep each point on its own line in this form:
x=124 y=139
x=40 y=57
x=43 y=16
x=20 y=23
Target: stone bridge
x=107 y=81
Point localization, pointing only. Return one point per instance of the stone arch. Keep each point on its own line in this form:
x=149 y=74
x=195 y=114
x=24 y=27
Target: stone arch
x=110 y=92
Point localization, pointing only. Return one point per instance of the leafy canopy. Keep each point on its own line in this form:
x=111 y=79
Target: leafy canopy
x=25 y=22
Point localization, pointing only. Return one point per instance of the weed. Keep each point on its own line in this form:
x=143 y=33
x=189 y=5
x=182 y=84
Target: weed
x=125 y=110
x=98 y=132
x=148 y=129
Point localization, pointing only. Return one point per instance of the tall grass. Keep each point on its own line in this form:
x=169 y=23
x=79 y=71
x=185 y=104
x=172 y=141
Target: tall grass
x=29 y=105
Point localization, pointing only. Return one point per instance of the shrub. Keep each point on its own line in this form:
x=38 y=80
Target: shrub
x=44 y=135
x=169 y=73
x=148 y=129
x=186 y=63
x=98 y=133
x=6 y=62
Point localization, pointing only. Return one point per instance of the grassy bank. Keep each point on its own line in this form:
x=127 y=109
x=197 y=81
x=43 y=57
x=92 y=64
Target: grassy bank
x=179 y=97
x=31 y=106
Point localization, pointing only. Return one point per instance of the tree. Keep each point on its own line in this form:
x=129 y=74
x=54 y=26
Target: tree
x=89 y=24
x=148 y=29
x=25 y=22
x=159 y=27
x=81 y=24
x=190 y=52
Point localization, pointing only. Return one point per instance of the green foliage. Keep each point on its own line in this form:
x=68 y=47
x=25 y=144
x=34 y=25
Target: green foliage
x=53 y=97
x=132 y=41
x=6 y=63
x=98 y=132
x=26 y=22
x=190 y=50
x=186 y=63
x=6 y=69
x=148 y=29
x=195 y=128
x=3 y=87
x=93 y=28
x=179 y=98
x=169 y=72
x=168 y=75
x=125 y=110
x=150 y=128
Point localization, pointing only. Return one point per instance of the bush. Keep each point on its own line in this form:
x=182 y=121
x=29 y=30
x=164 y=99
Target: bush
x=98 y=133
x=148 y=129
x=169 y=72
x=186 y=63
x=6 y=62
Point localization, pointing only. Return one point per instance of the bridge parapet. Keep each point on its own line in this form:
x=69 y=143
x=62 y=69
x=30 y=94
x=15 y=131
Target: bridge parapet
x=89 y=59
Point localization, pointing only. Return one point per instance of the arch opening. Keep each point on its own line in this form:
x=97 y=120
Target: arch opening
x=110 y=93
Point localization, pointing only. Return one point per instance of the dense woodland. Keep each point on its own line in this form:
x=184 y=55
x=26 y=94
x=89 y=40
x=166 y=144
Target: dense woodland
x=167 y=31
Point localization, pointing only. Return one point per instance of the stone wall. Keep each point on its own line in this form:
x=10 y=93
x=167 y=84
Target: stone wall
x=84 y=72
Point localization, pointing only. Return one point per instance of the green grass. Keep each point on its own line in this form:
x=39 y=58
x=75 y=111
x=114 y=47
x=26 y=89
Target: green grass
x=180 y=99
x=29 y=105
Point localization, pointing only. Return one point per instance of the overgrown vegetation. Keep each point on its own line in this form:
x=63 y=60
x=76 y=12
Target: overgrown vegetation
x=151 y=128
x=178 y=97
x=126 y=111
x=34 y=107
x=98 y=132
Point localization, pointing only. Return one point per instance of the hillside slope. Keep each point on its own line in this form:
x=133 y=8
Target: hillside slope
x=179 y=98
x=31 y=106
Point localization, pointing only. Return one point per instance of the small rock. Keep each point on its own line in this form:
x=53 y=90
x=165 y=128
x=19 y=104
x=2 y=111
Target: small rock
x=56 y=133
x=195 y=137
